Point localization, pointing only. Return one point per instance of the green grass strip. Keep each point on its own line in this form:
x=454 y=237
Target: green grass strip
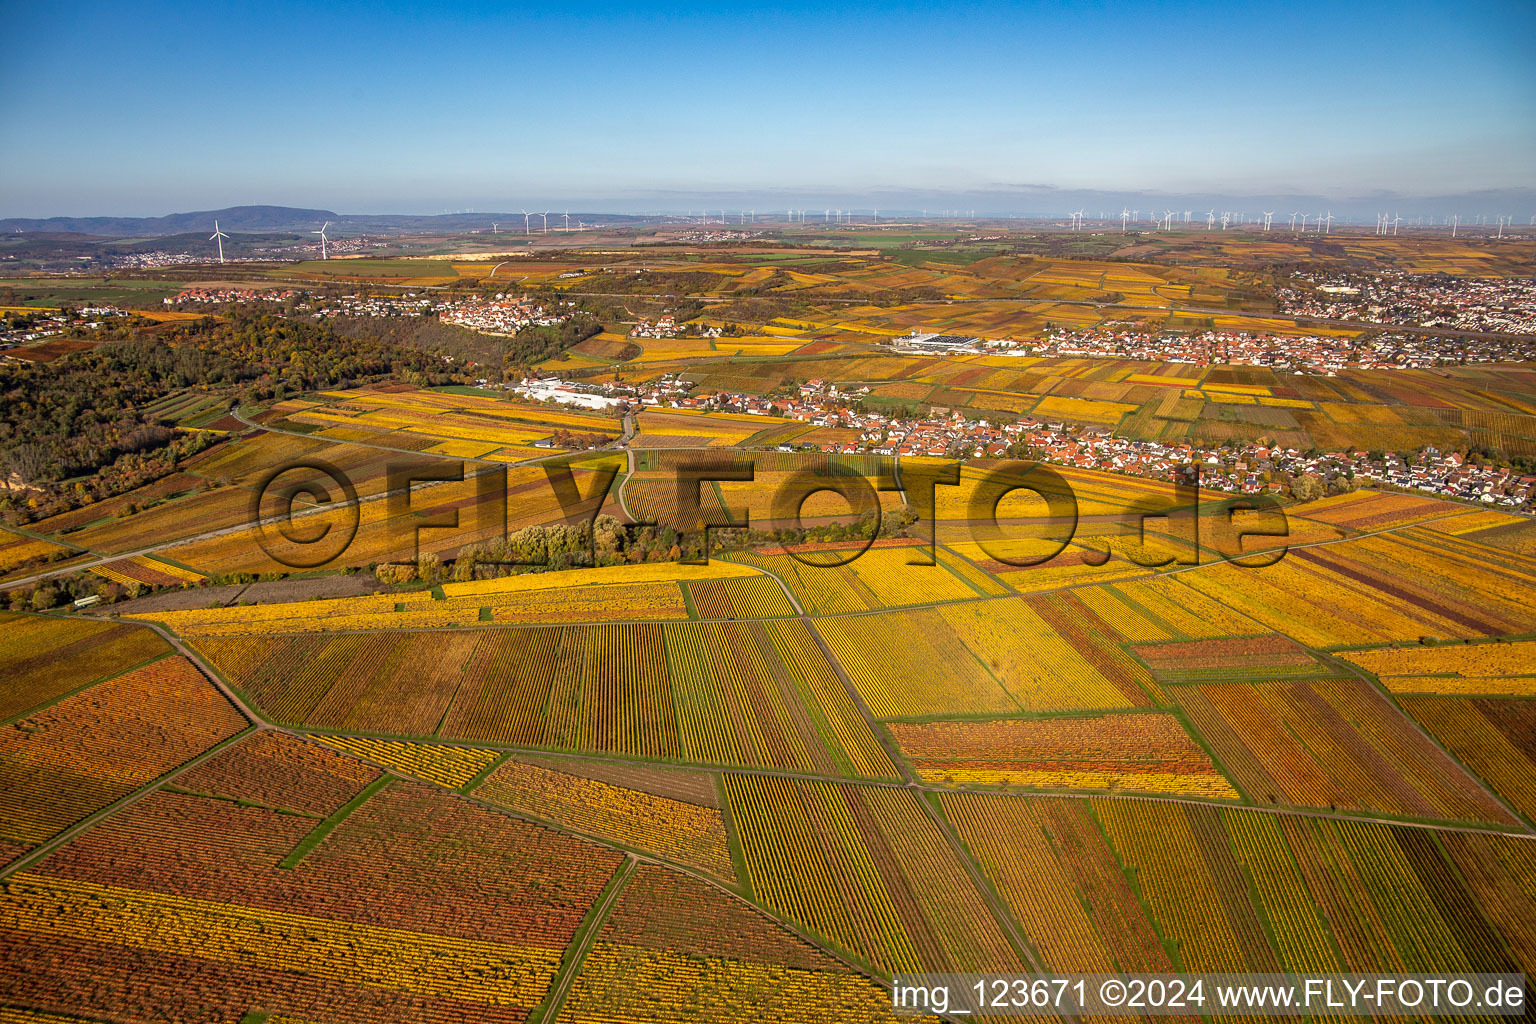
x=485 y=772
x=319 y=832
x=581 y=941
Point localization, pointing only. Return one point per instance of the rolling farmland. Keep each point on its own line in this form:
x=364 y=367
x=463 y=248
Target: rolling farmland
x=625 y=786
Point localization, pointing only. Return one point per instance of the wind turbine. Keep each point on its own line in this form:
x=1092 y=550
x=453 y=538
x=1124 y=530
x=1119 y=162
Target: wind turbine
x=323 y=254
x=545 y=215
x=1328 y=220
x=1293 y=220
x=1124 y=213
x=1269 y=215
x=1396 y=220
x=527 y=229
x=1304 y=217
x=567 y=216
x=1226 y=218
x=218 y=236
x=1210 y=219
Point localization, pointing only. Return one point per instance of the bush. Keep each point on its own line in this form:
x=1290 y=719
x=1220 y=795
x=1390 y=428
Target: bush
x=392 y=573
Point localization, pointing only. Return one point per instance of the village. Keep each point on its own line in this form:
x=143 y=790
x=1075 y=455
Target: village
x=666 y=326
x=501 y=315
x=1489 y=305
x=1243 y=468
x=219 y=296
x=1296 y=353
x=19 y=327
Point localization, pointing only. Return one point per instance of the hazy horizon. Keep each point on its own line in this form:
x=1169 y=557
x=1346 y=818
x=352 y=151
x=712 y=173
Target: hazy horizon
x=421 y=109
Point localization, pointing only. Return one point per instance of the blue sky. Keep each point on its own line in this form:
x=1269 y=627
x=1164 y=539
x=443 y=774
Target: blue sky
x=156 y=107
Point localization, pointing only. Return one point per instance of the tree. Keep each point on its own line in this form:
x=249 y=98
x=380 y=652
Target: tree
x=29 y=462
x=1308 y=487
x=428 y=568
x=393 y=573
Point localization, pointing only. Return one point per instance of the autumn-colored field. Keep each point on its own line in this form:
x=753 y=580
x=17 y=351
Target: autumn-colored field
x=759 y=694
x=651 y=591
x=1145 y=753
x=73 y=758
x=762 y=787
x=45 y=658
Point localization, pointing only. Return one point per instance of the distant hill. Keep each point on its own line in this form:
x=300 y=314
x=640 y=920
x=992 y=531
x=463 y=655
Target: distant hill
x=234 y=218
x=284 y=218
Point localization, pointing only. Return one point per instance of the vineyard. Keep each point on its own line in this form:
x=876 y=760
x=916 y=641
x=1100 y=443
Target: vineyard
x=1330 y=743
x=679 y=831
x=881 y=577
x=447 y=766
x=1241 y=891
x=76 y=756
x=458 y=425
x=868 y=870
x=1366 y=511
x=386 y=531
x=762 y=787
x=672 y=949
x=185 y=907
x=651 y=592
x=45 y=658
x=1496 y=738
x=1210 y=661
x=18 y=551
x=687 y=428
x=272 y=769
x=1145 y=753
x=758 y=597
x=1491 y=669
x=758 y=695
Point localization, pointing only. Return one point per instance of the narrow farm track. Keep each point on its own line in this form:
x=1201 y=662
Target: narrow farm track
x=576 y=955
x=979 y=599
x=227 y=531
x=43 y=849
x=634 y=858
x=715 y=768
x=488 y=467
